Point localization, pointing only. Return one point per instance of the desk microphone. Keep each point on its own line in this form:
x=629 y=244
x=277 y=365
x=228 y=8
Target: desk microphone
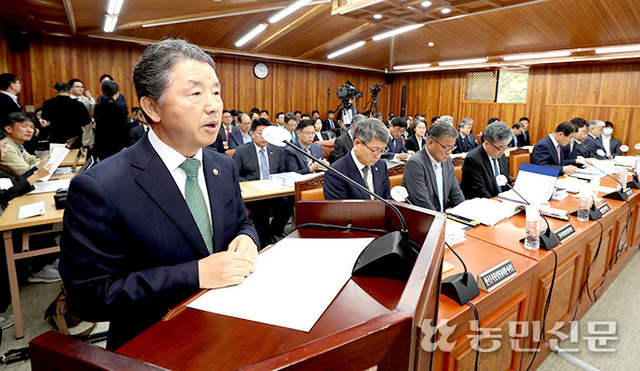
x=625 y=148
x=460 y=287
x=390 y=256
x=635 y=183
x=615 y=195
x=548 y=239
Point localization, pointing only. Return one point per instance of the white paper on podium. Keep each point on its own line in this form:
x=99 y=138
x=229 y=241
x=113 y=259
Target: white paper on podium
x=58 y=153
x=294 y=283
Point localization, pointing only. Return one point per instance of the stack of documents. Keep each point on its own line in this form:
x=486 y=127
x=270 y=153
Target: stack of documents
x=454 y=232
x=484 y=210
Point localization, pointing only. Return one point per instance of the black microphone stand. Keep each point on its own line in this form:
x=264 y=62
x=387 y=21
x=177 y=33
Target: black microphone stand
x=390 y=256
x=618 y=194
x=548 y=239
x=635 y=182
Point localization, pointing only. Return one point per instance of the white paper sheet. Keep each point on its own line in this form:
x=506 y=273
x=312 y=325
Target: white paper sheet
x=484 y=210
x=267 y=185
x=50 y=186
x=294 y=283
x=5 y=183
x=27 y=211
x=57 y=156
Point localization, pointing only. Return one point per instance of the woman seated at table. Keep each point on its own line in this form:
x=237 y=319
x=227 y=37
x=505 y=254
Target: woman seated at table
x=319 y=134
x=22 y=184
x=416 y=141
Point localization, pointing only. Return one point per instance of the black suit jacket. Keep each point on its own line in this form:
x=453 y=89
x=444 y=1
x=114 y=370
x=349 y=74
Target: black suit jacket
x=67 y=117
x=393 y=149
x=412 y=144
x=235 y=138
x=465 y=145
x=246 y=159
x=296 y=161
x=335 y=188
x=592 y=145
x=614 y=147
x=478 y=179
x=130 y=246
x=327 y=126
x=7 y=106
x=572 y=152
x=524 y=139
x=544 y=153
x=341 y=147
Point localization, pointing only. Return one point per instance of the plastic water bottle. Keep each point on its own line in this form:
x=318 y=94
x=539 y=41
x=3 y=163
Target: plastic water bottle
x=532 y=239
x=584 y=204
x=622 y=178
x=636 y=169
x=595 y=186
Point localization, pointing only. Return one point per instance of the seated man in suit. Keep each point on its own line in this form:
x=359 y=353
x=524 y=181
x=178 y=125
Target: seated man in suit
x=152 y=225
x=611 y=144
x=483 y=164
x=549 y=152
x=575 y=148
x=362 y=164
x=291 y=123
x=397 y=150
x=344 y=143
x=593 y=142
x=465 y=141
x=257 y=160
x=17 y=161
x=243 y=135
x=294 y=160
x=516 y=130
x=524 y=139
x=429 y=175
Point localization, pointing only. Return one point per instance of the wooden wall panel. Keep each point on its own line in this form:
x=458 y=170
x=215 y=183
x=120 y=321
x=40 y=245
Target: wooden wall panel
x=556 y=93
x=288 y=87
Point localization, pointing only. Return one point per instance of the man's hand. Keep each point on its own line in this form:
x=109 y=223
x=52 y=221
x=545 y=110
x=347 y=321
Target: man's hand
x=87 y=94
x=316 y=166
x=225 y=268
x=44 y=123
x=569 y=169
x=43 y=161
x=244 y=244
x=410 y=152
x=401 y=156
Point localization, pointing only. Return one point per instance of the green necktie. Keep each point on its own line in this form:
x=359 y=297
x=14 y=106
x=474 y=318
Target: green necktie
x=195 y=201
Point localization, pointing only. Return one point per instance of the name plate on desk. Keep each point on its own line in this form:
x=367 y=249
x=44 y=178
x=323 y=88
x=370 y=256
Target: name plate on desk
x=565 y=232
x=604 y=209
x=629 y=192
x=494 y=277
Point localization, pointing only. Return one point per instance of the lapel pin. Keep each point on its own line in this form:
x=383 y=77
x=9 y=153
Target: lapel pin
x=215 y=171
x=376 y=168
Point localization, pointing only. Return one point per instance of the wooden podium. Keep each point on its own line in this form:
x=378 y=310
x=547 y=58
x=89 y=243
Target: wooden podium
x=372 y=321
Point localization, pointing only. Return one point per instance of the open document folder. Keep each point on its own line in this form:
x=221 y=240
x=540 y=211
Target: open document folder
x=294 y=283
x=535 y=183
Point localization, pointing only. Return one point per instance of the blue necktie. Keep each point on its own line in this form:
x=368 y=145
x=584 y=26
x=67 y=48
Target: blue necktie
x=195 y=201
x=264 y=164
x=496 y=171
x=439 y=185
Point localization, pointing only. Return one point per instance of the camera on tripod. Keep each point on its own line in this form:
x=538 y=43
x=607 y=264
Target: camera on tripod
x=375 y=89
x=347 y=92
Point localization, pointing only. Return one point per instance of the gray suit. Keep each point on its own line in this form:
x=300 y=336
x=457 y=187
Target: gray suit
x=420 y=180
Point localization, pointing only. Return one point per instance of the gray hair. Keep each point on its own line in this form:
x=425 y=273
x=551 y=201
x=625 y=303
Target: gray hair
x=151 y=73
x=369 y=129
x=442 y=130
x=356 y=119
x=445 y=118
x=497 y=132
x=595 y=124
x=463 y=123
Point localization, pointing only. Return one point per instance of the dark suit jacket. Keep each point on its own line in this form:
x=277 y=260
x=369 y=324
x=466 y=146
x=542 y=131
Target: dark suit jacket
x=130 y=246
x=420 y=180
x=327 y=126
x=524 y=139
x=514 y=141
x=412 y=143
x=223 y=132
x=478 y=179
x=323 y=134
x=7 y=106
x=465 y=145
x=296 y=161
x=614 y=147
x=67 y=117
x=112 y=130
x=235 y=138
x=335 y=188
x=592 y=145
x=398 y=148
x=341 y=147
x=136 y=134
x=572 y=152
x=544 y=153
x=246 y=160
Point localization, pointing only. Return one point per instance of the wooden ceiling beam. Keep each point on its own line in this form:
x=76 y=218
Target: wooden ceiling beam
x=69 y=10
x=284 y=30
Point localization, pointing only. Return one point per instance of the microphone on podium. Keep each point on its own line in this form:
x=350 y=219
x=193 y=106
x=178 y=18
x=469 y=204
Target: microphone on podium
x=390 y=256
x=618 y=194
x=460 y=287
x=548 y=239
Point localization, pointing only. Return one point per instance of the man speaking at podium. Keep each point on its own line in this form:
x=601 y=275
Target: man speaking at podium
x=150 y=226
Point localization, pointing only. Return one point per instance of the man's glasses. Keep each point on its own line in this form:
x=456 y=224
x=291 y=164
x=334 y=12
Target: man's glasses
x=497 y=148
x=446 y=148
x=376 y=152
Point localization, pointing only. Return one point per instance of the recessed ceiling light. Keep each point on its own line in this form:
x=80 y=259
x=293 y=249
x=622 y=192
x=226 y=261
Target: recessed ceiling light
x=431 y=44
x=463 y=61
x=425 y=4
x=445 y=10
x=377 y=16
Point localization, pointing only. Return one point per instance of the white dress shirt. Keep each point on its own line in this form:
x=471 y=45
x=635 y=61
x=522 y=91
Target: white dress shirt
x=369 y=179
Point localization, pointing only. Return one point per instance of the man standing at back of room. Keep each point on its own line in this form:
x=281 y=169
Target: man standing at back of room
x=150 y=226
x=67 y=116
x=10 y=87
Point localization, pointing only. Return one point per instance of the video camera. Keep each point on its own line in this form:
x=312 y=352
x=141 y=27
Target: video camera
x=347 y=92
x=375 y=89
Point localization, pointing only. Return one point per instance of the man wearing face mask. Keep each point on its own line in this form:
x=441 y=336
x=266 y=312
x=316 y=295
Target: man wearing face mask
x=611 y=144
